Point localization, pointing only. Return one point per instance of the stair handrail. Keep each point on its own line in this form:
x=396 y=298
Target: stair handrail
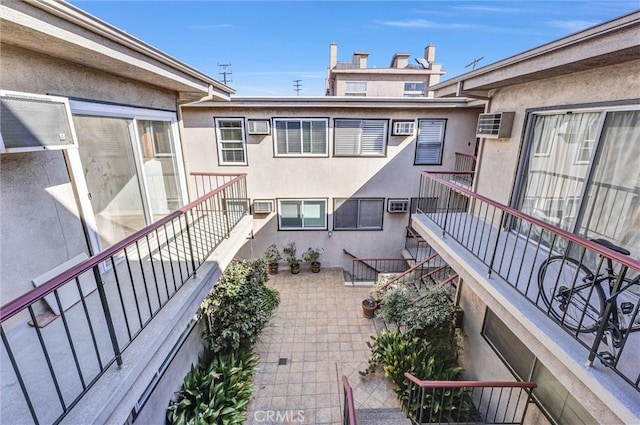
x=471 y=384
x=403 y=274
x=439 y=285
x=349 y=412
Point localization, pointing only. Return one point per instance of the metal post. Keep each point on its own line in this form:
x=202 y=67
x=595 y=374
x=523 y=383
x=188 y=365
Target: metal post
x=107 y=315
x=495 y=248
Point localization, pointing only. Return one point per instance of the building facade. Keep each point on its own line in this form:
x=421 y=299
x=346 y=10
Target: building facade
x=401 y=78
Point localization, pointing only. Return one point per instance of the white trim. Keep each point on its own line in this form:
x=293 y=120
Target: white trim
x=220 y=142
x=301 y=154
x=301 y=202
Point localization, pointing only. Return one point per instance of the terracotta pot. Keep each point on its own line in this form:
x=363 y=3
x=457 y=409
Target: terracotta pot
x=295 y=269
x=315 y=267
x=369 y=310
x=273 y=268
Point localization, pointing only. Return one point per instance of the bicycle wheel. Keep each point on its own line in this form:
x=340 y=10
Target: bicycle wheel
x=570 y=296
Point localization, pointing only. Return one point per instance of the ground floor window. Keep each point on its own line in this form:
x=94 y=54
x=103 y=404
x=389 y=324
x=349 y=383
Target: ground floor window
x=358 y=214
x=300 y=214
x=550 y=395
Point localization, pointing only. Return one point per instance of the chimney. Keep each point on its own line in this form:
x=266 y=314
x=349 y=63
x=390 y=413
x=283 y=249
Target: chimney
x=333 y=55
x=400 y=60
x=360 y=59
x=430 y=53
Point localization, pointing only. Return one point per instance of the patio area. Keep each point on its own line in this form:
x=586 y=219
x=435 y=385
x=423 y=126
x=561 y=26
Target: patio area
x=317 y=335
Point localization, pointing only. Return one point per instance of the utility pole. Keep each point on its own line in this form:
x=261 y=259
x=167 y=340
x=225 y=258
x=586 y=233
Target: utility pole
x=297 y=86
x=224 y=72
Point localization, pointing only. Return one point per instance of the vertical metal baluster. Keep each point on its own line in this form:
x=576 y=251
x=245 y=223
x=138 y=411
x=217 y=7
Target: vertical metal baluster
x=144 y=283
x=124 y=309
x=133 y=287
x=70 y=339
x=107 y=315
x=88 y=317
x=153 y=272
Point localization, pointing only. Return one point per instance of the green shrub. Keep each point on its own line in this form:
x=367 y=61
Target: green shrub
x=217 y=393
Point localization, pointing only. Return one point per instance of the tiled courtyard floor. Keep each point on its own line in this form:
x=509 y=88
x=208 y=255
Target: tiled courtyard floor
x=321 y=334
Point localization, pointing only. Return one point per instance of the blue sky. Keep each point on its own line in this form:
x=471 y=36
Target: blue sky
x=271 y=43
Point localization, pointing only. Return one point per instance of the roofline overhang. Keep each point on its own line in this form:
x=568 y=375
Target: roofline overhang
x=178 y=76
x=382 y=71
x=339 y=102
x=615 y=40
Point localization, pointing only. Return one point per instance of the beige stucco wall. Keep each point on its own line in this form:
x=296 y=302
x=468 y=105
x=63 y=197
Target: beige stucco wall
x=393 y=176
x=40 y=226
x=498 y=158
x=380 y=84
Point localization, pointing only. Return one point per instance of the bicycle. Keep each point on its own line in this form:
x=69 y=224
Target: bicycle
x=575 y=297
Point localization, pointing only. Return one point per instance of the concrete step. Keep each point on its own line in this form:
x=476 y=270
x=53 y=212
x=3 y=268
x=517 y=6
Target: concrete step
x=382 y=416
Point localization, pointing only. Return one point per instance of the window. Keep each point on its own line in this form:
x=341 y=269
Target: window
x=430 y=142
x=358 y=214
x=419 y=86
x=403 y=128
x=360 y=137
x=351 y=86
x=301 y=137
x=550 y=395
x=299 y=214
x=231 y=145
x=586 y=161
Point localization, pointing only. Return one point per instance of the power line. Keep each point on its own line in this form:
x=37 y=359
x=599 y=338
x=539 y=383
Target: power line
x=474 y=63
x=297 y=87
x=224 y=72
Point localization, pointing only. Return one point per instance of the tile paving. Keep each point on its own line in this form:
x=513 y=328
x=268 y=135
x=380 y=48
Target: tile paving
x=320 y=332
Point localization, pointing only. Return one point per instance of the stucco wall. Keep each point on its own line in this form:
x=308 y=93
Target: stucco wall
x=380 y=84
x=393 y=176
x=498 y=158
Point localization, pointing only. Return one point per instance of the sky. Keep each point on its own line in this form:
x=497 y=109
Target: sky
x=269 y=44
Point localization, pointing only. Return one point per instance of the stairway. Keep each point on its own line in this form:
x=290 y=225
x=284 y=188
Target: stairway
x=381 y=416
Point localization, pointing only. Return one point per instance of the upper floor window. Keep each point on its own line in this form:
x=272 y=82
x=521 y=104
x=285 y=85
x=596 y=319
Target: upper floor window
x=358 y=214
x=299 y=214
x=360 y=137
x=419 y=86
x=430 y=142
x=352 y=86
x=231 y=144
x=300 y=137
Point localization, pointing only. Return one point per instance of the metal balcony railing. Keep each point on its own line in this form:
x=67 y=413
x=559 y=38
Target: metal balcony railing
x=104 y=303
x=467 y=401
x=465 y=163
x=349 y=407
x=368 y=269
x=416 y=246
x=590 y=289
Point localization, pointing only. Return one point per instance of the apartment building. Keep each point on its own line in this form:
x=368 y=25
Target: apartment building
x=145 y=170
x=401 y=78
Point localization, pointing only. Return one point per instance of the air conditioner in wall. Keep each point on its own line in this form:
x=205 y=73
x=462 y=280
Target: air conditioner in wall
x=262 y=206
x=258 y=126
x=495 y=126
x=398 y=205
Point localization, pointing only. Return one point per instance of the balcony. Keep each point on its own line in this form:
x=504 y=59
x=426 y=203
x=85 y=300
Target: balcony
x=545 y=277
x=119 y=315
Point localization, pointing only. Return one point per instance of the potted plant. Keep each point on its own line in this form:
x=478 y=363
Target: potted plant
x=293 y=261
x=311 y=256
x=272 y=256
x=369 y=306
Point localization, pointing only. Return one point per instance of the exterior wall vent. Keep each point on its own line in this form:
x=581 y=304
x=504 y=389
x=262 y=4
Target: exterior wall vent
x=495 y=126
x=262 y=206
x=258 y=126
x=32 y=122
x=398 y=205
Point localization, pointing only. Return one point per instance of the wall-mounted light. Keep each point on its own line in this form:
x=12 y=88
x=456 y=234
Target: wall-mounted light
x=330 y=233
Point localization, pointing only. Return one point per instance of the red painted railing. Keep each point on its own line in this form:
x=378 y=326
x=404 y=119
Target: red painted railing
x=349 y=409
x=116 y=293
x=589 y=288
x=490 y=402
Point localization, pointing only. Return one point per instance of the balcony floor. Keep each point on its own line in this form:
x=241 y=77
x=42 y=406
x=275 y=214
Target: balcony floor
x=320 y=330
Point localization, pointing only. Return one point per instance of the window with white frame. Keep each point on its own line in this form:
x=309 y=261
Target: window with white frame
x=360 y=137
x=355 y=86
x=416 y=89
x=430 y=142
x=358 y=214
x=231 y=143
x=300 y=137
x=301 y=214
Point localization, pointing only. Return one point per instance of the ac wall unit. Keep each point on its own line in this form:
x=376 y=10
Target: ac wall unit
x=258 y=126
x=495 y=126
x=32 y=122
x=398 y=205
x=262 y=206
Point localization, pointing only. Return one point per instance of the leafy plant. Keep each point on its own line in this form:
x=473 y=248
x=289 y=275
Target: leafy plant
x=217 y=393
x=272 y=254
x=312 y=255
x=290 y=251
x=238 y=308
